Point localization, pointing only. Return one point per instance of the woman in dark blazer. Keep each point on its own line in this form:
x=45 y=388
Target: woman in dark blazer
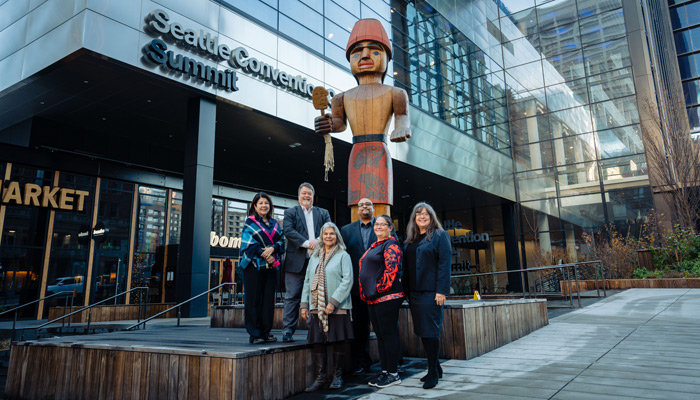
x=427 y=265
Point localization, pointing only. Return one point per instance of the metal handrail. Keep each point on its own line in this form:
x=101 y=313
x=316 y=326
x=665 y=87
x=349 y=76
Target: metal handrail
x=183 y=303
x=534 y=269
x=16 y=309
x=96 y=304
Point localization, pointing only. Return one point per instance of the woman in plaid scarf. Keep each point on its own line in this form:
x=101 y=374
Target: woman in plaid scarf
x=326 y=304
x=261 y=244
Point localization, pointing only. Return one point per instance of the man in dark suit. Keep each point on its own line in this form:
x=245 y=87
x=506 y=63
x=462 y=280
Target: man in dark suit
x=358 y=236
x=302 y=228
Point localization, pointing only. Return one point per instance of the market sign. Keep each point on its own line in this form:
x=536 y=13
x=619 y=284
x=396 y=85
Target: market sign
x=206 y=44
x=31 y=194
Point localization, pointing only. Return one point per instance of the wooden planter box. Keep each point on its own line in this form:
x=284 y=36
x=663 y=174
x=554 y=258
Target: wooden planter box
x=470 y=328
x=118 y=312
x=676 y=283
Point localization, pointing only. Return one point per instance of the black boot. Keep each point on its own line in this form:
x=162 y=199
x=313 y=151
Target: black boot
x=439 y=367
x=321 y=374
x=432 y=347
x=337 y=382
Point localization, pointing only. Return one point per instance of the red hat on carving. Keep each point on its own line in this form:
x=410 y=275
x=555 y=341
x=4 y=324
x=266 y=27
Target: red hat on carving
x=368 y=29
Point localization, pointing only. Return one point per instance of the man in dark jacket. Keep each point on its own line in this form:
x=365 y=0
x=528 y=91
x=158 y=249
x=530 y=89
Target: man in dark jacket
x=358 y=236
x=302 y=228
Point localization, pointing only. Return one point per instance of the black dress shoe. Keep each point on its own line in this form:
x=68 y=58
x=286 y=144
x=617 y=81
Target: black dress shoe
x=287 y=338
x=270 y=339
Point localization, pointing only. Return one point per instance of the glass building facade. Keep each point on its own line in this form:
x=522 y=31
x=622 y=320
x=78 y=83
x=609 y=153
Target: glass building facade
x=548 y=83
x=685 y=22
x=534 y=103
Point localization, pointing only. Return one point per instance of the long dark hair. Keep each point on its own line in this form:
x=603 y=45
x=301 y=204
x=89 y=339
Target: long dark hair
x=412 y=231
x=251 y=209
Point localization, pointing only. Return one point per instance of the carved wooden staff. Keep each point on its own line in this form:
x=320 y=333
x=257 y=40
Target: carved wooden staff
x=320 y=99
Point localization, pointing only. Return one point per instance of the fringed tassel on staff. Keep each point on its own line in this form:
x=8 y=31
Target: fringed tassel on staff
x=328 y=161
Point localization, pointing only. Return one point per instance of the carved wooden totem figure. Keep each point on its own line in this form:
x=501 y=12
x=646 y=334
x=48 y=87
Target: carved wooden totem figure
x=368 y=108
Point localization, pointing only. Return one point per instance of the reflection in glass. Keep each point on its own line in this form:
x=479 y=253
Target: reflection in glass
x=603 y=28
x=589 y=8
x=538 y=184
x=626 y=205
x=566 y=67
x=575 y=149
x=578 y=179
x=534 y=156
x=556 y=14
x=618 y=112
x=69 y=256
x=611 y=85
x=523 y=21
x=22 y=246
x=607 y=56
x=567 y=95
x=111 y=258
x=175 y=217
x=616 y=171
x=585 y=210
x=620 y=141
x=513 y=6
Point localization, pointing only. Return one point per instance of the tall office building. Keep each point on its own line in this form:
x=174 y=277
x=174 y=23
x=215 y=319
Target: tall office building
x=685 y=23
x=135 y=132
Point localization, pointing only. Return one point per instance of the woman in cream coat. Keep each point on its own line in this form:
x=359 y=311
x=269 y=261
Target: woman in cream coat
x=326 y=304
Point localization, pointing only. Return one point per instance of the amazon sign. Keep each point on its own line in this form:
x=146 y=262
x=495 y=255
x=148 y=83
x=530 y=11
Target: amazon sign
x=31 y=194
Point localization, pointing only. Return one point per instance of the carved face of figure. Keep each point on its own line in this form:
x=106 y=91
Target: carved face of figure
x=368 y=56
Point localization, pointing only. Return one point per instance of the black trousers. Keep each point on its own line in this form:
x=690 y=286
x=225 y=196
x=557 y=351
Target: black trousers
x=259 y=287
x=360 y=329
x=385 y=320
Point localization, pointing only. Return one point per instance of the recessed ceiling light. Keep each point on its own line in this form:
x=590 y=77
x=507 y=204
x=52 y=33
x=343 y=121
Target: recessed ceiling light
x=104 y=118
x=85 y=82
x=41 y=102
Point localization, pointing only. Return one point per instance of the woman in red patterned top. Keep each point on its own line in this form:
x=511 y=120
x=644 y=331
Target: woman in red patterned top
x=381 y=288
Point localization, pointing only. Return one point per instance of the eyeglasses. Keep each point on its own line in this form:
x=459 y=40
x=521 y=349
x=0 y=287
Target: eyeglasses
x=381 y=224
x=423 y=214
x=368 y=204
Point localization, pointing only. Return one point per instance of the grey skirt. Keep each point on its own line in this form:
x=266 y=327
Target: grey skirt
x=427 y=316
x=339 y=329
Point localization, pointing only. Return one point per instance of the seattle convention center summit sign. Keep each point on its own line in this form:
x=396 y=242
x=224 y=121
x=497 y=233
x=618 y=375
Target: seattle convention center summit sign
x=206 y=44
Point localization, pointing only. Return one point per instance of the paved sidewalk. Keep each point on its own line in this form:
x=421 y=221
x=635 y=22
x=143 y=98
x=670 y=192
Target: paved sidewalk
x=638 y=344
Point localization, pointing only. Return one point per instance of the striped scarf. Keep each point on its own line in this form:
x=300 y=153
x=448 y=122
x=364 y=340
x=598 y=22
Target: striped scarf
x=318 y=285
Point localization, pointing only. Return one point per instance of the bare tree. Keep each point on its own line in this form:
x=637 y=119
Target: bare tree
x=672 y=157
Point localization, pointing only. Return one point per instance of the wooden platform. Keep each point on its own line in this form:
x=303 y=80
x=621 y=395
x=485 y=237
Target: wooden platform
x=201 y=362
x=161 y=363
x=470 y=328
